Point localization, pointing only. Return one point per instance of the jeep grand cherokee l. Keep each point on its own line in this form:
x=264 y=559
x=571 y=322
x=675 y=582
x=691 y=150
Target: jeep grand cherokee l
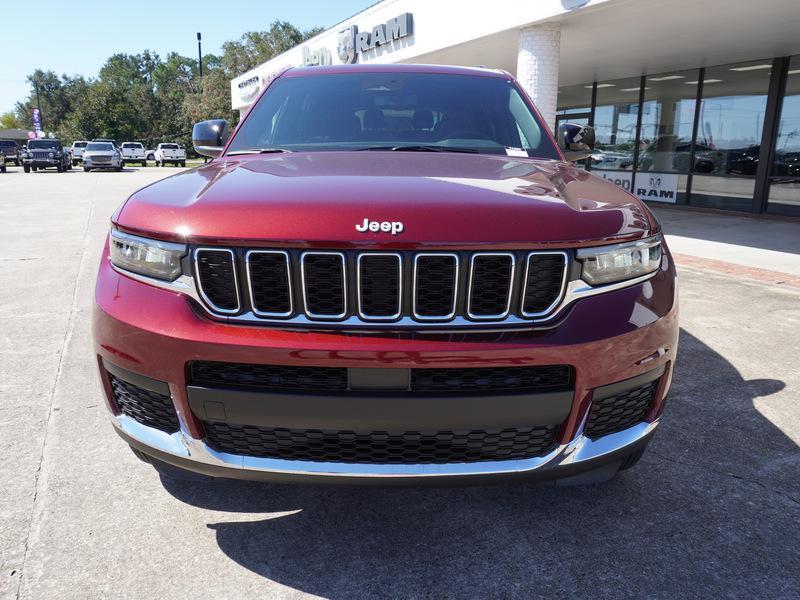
x=388 y=273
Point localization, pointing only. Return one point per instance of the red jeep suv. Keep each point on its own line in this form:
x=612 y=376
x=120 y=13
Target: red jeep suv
x=388 y=273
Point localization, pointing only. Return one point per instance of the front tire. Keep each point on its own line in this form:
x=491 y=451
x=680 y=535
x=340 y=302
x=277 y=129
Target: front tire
x=86 y=169
x=183 y=163
x=158 y=164
x=144 y=163
x=26 y=168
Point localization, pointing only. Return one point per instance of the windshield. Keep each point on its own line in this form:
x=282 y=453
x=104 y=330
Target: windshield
x=7 y=144
x=43 y=144
x=100 y=146
x=393 y=111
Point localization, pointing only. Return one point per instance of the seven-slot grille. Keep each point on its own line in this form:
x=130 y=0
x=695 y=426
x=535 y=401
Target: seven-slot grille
x=380 y=286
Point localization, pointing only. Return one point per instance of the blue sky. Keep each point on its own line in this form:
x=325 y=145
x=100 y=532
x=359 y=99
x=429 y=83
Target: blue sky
x=77 y=38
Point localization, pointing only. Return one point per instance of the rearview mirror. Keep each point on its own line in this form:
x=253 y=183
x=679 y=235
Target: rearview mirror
x=575 y=141
x=210 y=137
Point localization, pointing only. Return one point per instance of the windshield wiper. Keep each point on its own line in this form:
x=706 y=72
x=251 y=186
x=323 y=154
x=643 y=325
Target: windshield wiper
x=421 y=148
x=259 y=151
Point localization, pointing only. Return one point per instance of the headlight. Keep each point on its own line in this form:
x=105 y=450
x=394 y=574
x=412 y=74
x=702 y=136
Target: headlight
x=50 y=154
x=609 y=264
x=153 y=258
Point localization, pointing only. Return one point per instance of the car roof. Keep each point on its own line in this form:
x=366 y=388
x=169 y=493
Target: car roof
x=393 y=68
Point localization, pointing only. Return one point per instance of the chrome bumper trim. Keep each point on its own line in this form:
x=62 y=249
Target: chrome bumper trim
x=182 y=445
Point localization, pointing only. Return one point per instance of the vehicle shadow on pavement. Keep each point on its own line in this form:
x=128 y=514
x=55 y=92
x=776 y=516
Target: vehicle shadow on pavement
x=713 y=505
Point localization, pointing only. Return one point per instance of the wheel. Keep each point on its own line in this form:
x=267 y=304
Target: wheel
x=183 y=163
x=74 y=163
x=26 y=168
x=158 y=164
x=60 y=168
x=3 y=169
x=118 y=169
x=16 y=162
x=86 y=169
x=144 y=163
x=68 y=167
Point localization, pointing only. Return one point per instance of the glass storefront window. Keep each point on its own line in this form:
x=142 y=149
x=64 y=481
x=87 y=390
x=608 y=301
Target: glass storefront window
x=615 y=119
x=784 y=192
x=667 y=122
x=574 y=99
x=729 y=137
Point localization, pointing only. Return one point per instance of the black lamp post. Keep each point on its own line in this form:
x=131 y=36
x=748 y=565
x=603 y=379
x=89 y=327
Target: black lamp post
x=199 y=54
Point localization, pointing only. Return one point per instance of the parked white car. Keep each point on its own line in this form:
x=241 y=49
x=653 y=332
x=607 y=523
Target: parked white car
x=102 y=155
x=78 y=147
x=133 y=152
x=170 y=153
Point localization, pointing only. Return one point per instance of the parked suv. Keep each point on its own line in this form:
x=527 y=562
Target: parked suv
x=410 y=283
x=44 y=154
x=10 y=150
x=133 y=152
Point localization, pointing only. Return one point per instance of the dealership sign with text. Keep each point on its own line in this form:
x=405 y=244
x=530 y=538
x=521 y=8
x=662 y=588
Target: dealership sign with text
x=655 y=187
x=352 y=42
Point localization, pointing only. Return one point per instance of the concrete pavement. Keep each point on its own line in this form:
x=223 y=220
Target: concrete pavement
x=713 y=509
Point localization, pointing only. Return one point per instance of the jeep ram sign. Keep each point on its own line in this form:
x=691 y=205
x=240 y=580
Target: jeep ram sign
x=655 y=187
x=352 y=42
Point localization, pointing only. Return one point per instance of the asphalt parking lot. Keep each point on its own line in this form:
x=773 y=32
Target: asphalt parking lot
x=712 y=510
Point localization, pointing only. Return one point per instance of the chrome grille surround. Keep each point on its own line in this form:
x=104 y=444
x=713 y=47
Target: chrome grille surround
x=225 y=311
x=557 y=301
x=471 y=286
x=457 y=266
x=248 y=265
x=573 y=289
x=318 y=316
x=359 y=289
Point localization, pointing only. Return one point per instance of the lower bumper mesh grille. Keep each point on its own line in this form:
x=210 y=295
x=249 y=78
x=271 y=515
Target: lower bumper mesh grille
x=335 y=379
x=381 y=447
x=148 y=408
x=620 y=411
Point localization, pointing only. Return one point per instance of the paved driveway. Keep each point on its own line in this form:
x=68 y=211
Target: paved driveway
x=712 y=510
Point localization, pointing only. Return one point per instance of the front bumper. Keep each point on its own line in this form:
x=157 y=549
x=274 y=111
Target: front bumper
x=605 y=339
x=41 y=163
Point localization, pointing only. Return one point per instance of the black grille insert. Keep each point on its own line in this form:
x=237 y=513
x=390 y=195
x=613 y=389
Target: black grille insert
x=146 y=407
x=270 y=283
x=324 y=284
x=436 y=279
x=335 y=379
x=379 y=286
x=544 y=278
x=490 y=285
x=620 y=411
x=381 y=447
x=496 y=379
x=268 y=377
x=216 y=273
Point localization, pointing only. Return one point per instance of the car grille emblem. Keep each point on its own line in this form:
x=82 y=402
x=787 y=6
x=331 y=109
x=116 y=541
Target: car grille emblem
x=394 y=227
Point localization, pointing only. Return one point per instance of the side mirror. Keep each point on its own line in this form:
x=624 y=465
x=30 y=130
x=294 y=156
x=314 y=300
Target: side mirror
x=210 y=137
x=575 y=141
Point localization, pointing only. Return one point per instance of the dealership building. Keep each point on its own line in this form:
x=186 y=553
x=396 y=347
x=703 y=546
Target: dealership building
x=694 y=103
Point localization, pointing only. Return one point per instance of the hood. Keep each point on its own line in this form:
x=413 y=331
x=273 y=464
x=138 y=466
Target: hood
x=441 y=199
x=100 y=152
